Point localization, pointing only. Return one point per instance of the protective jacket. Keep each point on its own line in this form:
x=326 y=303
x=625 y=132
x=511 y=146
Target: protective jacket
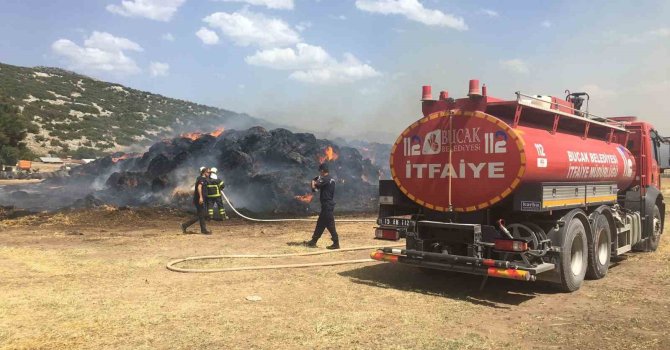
x=214 y=187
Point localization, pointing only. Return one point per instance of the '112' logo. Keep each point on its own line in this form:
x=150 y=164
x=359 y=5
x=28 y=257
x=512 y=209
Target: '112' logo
x=495 y=142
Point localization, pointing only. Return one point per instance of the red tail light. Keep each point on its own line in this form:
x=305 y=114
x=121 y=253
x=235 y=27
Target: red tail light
x=381 y=233
x=510 y=245
x=510 y=273
x=381 y=256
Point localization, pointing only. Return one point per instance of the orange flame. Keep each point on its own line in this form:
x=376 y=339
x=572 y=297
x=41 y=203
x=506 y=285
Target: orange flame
x=328 y=155
x=306 y=198
x=191 y=135
x=196 y=135
x=125 y=156
x=217 y=132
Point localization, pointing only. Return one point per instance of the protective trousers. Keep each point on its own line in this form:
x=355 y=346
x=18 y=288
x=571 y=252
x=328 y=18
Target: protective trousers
x=201 y=215
x=219 y=203
x=326 y=221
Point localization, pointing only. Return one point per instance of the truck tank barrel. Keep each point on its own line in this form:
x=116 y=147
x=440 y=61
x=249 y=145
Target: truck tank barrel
x=490 y=160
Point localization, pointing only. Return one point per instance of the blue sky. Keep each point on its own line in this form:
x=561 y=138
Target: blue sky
x=353 y=67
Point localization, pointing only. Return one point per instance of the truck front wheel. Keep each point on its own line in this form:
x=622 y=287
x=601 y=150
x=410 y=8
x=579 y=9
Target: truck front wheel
x=574 y=256
x=600 y=248
x=656 y=230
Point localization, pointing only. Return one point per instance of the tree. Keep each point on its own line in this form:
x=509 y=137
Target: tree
x=13 y=130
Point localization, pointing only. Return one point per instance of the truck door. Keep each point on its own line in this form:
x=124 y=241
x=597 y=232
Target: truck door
x=634 y=145
x=656 y=149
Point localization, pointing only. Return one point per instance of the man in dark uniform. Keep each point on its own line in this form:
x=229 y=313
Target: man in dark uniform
x=326 y=185
x=199 y=200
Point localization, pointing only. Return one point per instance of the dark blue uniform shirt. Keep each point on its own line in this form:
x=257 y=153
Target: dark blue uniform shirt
x=326 y=186
x=201 y=180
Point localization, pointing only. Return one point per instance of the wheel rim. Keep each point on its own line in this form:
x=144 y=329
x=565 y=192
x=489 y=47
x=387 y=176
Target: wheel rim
x=577 y=255
x=657 y=226
x=603 y=249
x=524 y=232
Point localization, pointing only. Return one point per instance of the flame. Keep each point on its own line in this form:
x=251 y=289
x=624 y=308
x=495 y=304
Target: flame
x=191 y=135
x=217 y=132
x=306 y=198
x=328 y=155
x=125 y=156
x=196 y=135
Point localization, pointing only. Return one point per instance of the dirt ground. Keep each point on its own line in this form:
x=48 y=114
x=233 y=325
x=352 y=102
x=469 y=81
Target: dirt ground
x=97 y=279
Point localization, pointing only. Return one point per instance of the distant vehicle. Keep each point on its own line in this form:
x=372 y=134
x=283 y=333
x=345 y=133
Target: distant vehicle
x=24 y=165
x=531 y=188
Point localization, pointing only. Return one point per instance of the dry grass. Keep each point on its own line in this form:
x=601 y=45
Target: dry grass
x=96 y=279
x=4 y=182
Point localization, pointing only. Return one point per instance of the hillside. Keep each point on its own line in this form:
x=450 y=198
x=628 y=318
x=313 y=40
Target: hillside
x=76 y=115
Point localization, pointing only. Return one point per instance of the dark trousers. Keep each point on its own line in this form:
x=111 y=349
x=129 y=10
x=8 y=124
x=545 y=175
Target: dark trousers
x=219 y=203
x=201 y=215
x=326 y=221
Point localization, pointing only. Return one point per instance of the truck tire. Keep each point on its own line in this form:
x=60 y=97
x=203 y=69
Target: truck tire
x=574 y=256
x=657 y=229
x=600 y=247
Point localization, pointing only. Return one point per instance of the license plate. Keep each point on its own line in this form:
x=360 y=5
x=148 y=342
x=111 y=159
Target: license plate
x=394 y=222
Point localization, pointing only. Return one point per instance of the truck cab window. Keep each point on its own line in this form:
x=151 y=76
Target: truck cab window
x=655 y=144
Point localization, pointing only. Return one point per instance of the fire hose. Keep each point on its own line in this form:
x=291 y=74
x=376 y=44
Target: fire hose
x=171 y=265
x=283 y=220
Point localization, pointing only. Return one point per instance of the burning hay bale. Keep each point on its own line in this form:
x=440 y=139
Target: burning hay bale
x=265 y=171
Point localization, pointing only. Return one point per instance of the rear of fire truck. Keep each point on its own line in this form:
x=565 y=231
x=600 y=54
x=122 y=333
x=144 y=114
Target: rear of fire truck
x=530 y=189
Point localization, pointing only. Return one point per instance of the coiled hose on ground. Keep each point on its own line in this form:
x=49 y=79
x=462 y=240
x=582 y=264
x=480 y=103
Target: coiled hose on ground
x=171 y=265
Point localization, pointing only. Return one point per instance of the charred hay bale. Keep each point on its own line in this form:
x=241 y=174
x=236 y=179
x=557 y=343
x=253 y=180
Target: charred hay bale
x=227 y=145
x=161 y=165
x=126 y=181
x=236 y=160
x=297 y=158
x=181 y=158
x=181 y=144
x=254 y=139
x=292 y=148
x=203 y=143
x=90 y=201
x=95 y=167
x=157 y=148
x=267 y=193
x=159 y=183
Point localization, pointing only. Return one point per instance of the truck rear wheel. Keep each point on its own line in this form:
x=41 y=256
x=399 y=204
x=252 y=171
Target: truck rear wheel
x=574 y=256
x=600 y=248
x=657 y=229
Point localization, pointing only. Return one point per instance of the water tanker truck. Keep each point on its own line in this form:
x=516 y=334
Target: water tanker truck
x=533 y=188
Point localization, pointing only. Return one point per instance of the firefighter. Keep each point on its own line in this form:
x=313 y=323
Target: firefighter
x=199 y=200
x=214 y=197
x=326 y=185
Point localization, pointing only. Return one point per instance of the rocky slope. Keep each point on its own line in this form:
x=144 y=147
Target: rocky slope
x=78 y=115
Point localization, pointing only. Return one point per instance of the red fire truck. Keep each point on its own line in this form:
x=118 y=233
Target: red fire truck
x=535 y=188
